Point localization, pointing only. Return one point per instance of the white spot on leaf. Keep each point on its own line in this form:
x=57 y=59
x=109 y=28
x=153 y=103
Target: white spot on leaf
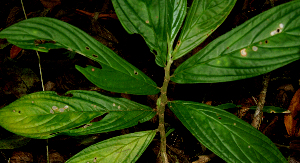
x=66 y=107
x=114 y=104
x=281 y=25
x=54 y=107
x=119 y=107
x=51 y=111
x=61 y=109
x=254 y=48
x=278 y=30
x=243 y=52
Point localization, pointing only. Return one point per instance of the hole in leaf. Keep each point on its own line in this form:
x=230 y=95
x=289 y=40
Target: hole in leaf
x=278 y=30
x=54 y=133
x=87 y=48
x=266 y=41
x=135 y=72
x=38 y=42
x=99 y=118
x=94 y=55
x=19 y=111
x=219 y=117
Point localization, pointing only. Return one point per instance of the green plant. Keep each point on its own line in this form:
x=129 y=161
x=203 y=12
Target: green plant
x=260 y=45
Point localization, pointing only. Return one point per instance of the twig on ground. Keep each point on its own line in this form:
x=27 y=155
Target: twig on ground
x=256 y=121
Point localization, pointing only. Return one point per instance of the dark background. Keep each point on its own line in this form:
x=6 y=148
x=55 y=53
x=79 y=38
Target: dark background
x=19 y=75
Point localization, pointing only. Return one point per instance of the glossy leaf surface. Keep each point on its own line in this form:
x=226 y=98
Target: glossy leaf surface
x=156 y=20
x=117 y=75
x=204 y=17
x=264 y=43
x=43 y=115
x=224 y=134
x=177 y=10
x=125 y=148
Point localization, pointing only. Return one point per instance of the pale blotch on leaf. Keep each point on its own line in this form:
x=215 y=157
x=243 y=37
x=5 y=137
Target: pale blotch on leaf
x=61 y=109
x=119 y=107
x=234 y=123
x=66 y=107
x=114 y=104
x=93 y=69
x=32 y=101
x=278 y=30
x=254 y=48
x=14 y=111
x=243 y=52
x=249 y=146
x=147 y=21
x=281 y=25
x=54 y=107
x=51 y=111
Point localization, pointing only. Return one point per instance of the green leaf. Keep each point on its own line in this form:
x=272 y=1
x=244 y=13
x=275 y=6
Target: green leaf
x=271 y=109
x=224 y=134
x=122 y=113
x=44 y=115
x=204 y=17
x=157 y=21
x=43 y=34
x=264 y=43
x=125 y=148
x=177 y=10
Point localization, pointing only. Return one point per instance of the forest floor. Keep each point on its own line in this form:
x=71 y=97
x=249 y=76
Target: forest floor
x=19 y=76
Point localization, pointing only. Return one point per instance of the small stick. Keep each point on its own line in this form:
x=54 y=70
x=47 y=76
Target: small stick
x=256 y=121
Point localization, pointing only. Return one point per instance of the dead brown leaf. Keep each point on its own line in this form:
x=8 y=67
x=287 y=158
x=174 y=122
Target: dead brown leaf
x=14 y=51
x=291 y=120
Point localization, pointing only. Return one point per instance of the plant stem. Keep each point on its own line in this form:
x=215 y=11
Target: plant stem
x=161 y=113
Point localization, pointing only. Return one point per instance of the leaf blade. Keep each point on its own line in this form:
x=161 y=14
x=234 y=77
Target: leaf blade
x=44 y=115
x=223 y=133
x=43 y=34
x=248 y=50
x=204 y=17
x=147 y=18
x=125 y=148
